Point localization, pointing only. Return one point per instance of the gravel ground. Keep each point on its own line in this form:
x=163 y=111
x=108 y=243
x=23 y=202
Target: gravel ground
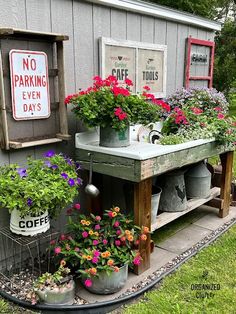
x=20 y=284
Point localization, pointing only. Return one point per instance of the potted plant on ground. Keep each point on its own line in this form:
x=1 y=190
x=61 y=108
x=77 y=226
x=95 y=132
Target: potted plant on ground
x=57 y=288
x=38 y=191
x=198 y=114
x=101 y=249
x=113 y=108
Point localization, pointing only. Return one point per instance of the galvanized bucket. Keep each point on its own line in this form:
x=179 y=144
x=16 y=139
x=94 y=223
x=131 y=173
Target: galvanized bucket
x=110 y=137
x=173 y=196
x=198 y=181
x=108 y=284
x=156 y=194
x=59 y=296
x=29 y=226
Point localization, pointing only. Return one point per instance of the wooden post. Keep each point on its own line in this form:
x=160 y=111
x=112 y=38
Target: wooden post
x=142 y=217
x=227 y=164
x=61 y=86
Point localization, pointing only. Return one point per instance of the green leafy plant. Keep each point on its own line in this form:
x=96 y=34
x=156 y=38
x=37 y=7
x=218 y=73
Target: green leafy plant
x=50 y=183
x=96 y=244
x=108 y=104
x=200 y=113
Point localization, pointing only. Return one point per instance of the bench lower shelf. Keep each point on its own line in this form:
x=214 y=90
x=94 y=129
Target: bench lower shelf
x=167 y=217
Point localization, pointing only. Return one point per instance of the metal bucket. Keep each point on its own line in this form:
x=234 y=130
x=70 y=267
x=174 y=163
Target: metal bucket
x=156 y=194
x=173 y=196
x=108 y=284
x=110 y=137
x=198 y=181
x=59 y=296
x=29 y=226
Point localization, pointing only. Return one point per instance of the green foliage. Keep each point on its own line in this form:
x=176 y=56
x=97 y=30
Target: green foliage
x=172 y=139
x=225 y=58
x=107 y=104
x=96 y=244
x=49 y=183
x=200 y=114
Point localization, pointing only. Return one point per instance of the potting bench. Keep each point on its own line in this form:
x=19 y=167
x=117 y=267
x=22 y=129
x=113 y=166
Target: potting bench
x=139 y=162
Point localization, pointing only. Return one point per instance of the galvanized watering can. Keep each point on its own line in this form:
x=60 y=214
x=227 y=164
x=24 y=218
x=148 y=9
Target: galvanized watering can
x=173 y=197
x=198 y=181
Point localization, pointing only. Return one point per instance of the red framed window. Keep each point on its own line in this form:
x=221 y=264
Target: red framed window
x=200 y=61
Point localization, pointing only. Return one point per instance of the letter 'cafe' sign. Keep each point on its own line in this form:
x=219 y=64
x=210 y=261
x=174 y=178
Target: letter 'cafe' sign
x=29 y=84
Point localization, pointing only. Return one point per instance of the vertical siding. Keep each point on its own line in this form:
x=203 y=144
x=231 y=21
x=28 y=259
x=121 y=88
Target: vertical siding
x=85 y=23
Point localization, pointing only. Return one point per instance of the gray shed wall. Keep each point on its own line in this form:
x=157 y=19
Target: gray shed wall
x=85 y=23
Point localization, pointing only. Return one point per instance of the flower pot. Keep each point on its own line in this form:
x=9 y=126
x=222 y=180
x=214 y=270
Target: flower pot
x=110 y=137
x=109 y=283
x=59 y=296
x=29 y=226
x=156 y=194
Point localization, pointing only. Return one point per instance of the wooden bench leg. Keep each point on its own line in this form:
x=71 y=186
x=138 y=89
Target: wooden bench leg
x=142 y=217
x=227 y=164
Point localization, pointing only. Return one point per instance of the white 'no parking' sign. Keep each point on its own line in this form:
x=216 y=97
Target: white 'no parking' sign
x=29 y=84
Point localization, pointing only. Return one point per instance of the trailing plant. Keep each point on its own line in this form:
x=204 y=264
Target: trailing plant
x=50 y=183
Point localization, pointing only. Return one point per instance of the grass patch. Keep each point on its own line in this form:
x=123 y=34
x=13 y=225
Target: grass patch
x=10 y=308
x=215 y=264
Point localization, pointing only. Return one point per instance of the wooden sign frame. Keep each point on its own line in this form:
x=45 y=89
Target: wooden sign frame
x=137 y=46
x=194 y=41
x=20 y=134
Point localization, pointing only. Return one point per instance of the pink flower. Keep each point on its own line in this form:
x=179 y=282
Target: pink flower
x=104 y=242
x=62 y=237
x=77 y=206
x=52 y=242
x=122 y=116
x=69 y=238
x=196 y=110
x=57 y=250
x=137 y=260
x=146 y=87
x=116 y=224
x=117 y=242
x=96 y=253
x=94 y=260
x=76 y=249
x=217 y=109
x=88 y=283
x=118 y=232
x=128 y=82
x=117 y=111
x=97 y=227
x=220 y=116
x=98 y=218
x=95 y=242
x=84 y=234
x=110 y=214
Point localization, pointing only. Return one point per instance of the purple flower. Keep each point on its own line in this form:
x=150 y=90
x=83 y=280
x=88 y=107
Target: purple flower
x=77 y=166
x=69 y=161
x=71 y=182
x=49 y=153
x=79 y=181
x=22 y=172
x=64 y=175
x=54 y=167
x=47 y=163
x=29 y=202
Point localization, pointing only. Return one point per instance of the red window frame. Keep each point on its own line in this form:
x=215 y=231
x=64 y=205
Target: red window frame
x=194 y=41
